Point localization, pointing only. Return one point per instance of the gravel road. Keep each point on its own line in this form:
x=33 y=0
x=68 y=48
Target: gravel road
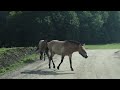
x=101 y=64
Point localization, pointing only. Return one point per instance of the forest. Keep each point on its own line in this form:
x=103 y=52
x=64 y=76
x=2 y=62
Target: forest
x=26 y=28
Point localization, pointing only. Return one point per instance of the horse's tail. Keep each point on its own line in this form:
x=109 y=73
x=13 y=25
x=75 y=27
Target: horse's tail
x=37 y=48
x=46 y=50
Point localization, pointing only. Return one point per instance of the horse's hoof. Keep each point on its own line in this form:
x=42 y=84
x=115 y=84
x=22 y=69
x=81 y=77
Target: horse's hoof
x=72 y=69
x=53 y=66
x=58 y=68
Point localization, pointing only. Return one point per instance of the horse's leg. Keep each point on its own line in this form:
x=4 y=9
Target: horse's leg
x=41 y=55
x=70 y=59
x=53 y=63
x=50 y=62
x=46 y=51
x=60 y=62
x=51 y=58
x=44 y=56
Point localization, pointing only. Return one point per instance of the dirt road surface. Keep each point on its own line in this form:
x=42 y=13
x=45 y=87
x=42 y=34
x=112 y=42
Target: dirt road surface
x=101 y=64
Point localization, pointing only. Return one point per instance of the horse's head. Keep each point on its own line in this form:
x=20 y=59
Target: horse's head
x=82 y=51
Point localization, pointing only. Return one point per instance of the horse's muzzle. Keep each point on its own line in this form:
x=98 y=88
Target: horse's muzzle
x=86 y=56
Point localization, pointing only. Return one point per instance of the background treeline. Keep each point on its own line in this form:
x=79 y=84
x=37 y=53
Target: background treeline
x=26 y=28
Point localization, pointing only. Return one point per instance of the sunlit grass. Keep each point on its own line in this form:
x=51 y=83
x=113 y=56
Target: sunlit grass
x=104 y=46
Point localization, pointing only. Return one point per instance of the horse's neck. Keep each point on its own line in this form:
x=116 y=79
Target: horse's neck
x=75 y=48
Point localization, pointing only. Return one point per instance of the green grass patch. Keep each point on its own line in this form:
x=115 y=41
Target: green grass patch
x=3 y=50
x=30 y=58
x=20 y=63
x=104 y=46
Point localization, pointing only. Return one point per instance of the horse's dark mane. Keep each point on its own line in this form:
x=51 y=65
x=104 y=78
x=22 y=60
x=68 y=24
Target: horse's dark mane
x=74 y=42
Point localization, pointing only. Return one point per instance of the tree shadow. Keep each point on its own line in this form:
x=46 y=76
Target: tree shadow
x=43 y=72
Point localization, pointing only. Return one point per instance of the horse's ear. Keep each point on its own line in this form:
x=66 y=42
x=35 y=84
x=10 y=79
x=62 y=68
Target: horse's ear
x=45 y=40
x=83 y=44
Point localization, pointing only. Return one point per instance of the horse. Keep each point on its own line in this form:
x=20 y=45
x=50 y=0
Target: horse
x=42 y=48
x=65 y=48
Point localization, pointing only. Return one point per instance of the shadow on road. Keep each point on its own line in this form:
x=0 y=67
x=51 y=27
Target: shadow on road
x=41 y=72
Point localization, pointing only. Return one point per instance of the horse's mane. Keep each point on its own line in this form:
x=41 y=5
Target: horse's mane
x=74 y=42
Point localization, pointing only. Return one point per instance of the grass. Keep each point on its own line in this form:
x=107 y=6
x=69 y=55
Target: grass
x=104 y=46
x=2 y=50
x=22 y=62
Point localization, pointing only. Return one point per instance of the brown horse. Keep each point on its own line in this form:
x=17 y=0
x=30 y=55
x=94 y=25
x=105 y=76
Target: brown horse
x=42 y=48
x=65 y=48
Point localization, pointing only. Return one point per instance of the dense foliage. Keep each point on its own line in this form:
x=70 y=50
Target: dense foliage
x=26 y=28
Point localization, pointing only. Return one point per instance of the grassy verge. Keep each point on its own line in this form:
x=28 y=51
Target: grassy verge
x=104 y=46
x=20 y=63
x=2 y=50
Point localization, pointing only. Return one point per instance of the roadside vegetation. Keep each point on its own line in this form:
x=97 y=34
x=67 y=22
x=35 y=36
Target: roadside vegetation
x=12 y=58
x=104 y=46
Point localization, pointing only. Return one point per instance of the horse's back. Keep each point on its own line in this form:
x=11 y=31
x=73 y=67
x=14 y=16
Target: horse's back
x=55 y=43
x=56 y=46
